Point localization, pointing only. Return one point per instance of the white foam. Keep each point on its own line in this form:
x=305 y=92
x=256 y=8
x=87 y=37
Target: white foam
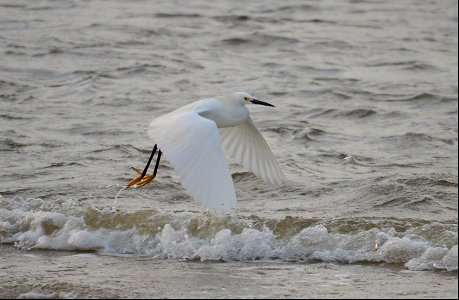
x=42 y=295
x=37 y=295
x=435 y=258
x=58 y=231
x=250 y=244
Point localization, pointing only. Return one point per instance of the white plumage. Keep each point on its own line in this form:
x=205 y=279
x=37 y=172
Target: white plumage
x=192 y=138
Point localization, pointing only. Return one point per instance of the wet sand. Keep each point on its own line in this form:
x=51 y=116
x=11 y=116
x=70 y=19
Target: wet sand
x=61 y=274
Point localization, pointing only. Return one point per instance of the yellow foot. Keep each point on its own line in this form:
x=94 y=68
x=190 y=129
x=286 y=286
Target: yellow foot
x=135 y=180
x=145 y=180
x=141 y=182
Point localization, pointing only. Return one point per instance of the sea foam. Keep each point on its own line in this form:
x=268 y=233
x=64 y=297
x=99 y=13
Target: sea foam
x=169 y=235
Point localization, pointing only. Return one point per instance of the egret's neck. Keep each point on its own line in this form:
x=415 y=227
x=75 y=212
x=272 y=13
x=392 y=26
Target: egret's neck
x=223 y=113
x=233 y=115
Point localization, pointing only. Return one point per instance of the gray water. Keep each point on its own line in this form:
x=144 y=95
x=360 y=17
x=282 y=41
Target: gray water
x=365 y=129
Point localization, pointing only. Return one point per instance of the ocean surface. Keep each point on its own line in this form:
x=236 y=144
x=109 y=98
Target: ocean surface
x=365 y=129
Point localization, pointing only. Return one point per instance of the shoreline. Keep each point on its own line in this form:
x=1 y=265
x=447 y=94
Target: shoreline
x=66 y=274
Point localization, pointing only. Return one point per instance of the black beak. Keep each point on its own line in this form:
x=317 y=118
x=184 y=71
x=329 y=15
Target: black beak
x=255 y=101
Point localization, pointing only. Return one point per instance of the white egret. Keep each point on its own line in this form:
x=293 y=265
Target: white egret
x=192 y=138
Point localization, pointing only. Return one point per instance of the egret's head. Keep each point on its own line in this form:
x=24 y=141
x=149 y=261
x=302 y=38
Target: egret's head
x=245 y=98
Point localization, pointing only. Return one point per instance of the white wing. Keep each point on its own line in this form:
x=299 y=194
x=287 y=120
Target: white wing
x=246 y=145
x=192 y=145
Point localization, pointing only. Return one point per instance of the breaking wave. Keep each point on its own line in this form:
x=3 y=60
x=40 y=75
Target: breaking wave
x=32 y=223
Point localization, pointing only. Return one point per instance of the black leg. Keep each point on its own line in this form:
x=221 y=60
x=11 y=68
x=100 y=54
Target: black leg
x=149 y=161
x=157 y=163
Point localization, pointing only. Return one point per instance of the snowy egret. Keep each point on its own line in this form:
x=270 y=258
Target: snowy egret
x=192 y=138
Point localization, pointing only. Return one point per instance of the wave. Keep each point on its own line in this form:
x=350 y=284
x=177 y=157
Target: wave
x=32 y=223
x=7 y=144
x=232 y=18
x=259 y=40
x=177 y=15
x=414 y=138
x=290 y=8
x=308 y=134
x=407 y=65
x=358 y=113
x=421 y=98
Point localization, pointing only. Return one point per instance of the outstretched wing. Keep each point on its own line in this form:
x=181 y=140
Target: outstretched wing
x=246 y=145
x=191 y=144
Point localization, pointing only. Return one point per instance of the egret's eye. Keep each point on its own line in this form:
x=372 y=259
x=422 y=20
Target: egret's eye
x=247 y=99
